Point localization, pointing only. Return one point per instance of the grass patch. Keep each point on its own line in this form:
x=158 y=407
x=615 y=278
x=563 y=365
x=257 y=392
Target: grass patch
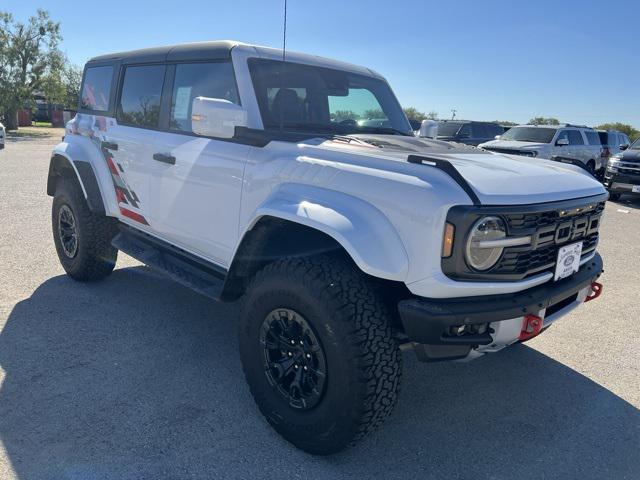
x=42 y=124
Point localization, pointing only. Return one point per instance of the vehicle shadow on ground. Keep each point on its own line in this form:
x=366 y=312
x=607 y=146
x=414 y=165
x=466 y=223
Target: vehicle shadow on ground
x=137 y=377
x=628 y=201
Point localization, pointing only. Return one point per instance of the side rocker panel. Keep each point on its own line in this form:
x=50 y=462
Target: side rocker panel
x=363 y=230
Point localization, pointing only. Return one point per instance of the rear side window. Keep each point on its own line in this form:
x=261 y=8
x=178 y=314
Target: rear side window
x=480 y=130
x=593 y=138
x=96 y=88
x=575 y=137
x=604 y=138
x=139 y=104
x=213 y=80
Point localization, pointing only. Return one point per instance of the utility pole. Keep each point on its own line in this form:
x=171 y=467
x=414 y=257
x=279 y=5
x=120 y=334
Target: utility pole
x=453 y=113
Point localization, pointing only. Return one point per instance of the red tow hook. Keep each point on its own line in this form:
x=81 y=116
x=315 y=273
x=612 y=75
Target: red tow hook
x=596 y=291
x=531 y=326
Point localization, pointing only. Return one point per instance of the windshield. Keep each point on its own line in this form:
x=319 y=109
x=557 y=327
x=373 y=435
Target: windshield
x=635 y=145
x=529 y=134
x=306 y=98
x=448 y=129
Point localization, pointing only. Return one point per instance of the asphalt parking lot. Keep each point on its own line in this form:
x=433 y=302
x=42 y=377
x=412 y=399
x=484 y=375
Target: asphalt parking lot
x=139 y=378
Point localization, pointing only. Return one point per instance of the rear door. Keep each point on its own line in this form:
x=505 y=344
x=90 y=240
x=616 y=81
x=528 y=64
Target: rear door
x=196 y=182
x=132 y=139
x=577 y=146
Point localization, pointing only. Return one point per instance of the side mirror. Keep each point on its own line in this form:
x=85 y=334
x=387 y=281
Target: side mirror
x=215 y=117
x=428 y=129
x=562 y=142
x=497 y=137
x=624 y=146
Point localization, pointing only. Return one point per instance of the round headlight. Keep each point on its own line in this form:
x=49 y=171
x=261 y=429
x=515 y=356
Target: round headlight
x=482 y=254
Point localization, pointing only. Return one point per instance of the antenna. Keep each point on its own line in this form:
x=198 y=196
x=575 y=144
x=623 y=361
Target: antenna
x=284 y=33
x=284 y=57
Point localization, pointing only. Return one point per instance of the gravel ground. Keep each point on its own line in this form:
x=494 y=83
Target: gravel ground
x=139 y=378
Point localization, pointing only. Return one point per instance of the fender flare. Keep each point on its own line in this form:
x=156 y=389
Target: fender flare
x=84 y=174
x=360 y=228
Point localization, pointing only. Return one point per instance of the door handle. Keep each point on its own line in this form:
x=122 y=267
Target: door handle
x=109 y=145
x=165 y=158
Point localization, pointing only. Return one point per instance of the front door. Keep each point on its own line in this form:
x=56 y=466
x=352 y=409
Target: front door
x=196 y=183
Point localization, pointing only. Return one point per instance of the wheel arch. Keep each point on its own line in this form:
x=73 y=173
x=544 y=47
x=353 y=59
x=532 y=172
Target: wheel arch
x=61 y=166
x=305 y=220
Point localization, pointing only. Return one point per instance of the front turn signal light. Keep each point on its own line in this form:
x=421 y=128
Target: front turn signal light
x=447 y=240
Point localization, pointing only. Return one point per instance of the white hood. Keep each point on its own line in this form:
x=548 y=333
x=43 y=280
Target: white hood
x=497 y=179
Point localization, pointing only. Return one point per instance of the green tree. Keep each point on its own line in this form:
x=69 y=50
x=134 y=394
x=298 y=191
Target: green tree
x=340 y=115
x=632 y=132
x=63 y=85
x=506 y=123
x=374 y=113
x=544 y=121
x=432 y=115
x=28 y=54
x=413 y=114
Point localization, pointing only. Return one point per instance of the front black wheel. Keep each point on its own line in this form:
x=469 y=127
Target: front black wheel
x=614 y=196
x=318 y=352
x=82 y=237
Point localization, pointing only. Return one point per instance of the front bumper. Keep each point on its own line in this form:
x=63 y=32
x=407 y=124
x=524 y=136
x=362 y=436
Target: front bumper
x=429 y=321
x=619 y=182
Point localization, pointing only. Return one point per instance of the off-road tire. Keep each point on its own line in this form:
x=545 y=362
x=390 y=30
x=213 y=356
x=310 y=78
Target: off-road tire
x=95 y=257
x=614 y=196
x=364 y=363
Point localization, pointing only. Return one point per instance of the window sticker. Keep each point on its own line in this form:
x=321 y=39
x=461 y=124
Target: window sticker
x=181 y=106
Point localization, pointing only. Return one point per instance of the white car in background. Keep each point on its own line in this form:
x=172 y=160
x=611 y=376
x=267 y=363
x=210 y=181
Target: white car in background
x=566 y=143
x=3 y=134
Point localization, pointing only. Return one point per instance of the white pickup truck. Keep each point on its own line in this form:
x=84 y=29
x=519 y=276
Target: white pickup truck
x=255 y=178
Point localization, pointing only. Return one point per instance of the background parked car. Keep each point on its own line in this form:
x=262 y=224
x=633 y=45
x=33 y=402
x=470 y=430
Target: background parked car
x=612 y=140
x=568 y=143
x=623 y=172
x=467 y=131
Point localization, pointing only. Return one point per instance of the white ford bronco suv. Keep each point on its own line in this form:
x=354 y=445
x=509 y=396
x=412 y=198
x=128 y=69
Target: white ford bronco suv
x=255 y=178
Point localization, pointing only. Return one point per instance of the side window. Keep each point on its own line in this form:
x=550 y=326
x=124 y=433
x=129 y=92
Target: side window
x=479 y=130
x=575 y=137
x=96 y=88
x=564 y=134
x=213 y=80
x=593 y=137
x=465 y=131
x=139 y=103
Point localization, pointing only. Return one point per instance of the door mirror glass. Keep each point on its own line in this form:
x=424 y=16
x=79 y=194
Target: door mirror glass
x=215 y=117
x=429 y=129
x=562 y=142
x=624 y=146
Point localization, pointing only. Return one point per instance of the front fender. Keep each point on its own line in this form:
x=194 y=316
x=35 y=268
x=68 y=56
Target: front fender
x=362 y=230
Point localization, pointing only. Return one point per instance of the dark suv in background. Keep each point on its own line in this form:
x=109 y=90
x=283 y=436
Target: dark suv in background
x=467 y=131
x=623 y=171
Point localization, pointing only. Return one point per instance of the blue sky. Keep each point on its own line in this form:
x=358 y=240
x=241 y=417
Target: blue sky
x=574 y=60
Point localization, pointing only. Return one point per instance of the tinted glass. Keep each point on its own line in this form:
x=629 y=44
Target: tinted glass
x=575 y=137
x=529 y=134
x=140 y=98
x=96 y=88
x=593 y=138
x=315 y=99
x=212 y=80
x=448 y=129
x=604 y=138
x=636 y=145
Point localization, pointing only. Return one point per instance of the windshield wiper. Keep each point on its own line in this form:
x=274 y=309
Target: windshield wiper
x=315 y=127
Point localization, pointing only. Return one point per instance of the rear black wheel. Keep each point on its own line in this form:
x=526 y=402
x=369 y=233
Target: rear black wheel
x=82 y=238
x=318 y=352
x=614 y=196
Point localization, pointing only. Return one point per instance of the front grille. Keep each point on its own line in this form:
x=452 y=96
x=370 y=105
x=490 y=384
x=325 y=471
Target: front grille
x=550 y=227
x=530 y=260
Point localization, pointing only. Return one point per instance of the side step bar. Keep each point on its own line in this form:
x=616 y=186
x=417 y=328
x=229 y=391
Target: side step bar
x=183 y=267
